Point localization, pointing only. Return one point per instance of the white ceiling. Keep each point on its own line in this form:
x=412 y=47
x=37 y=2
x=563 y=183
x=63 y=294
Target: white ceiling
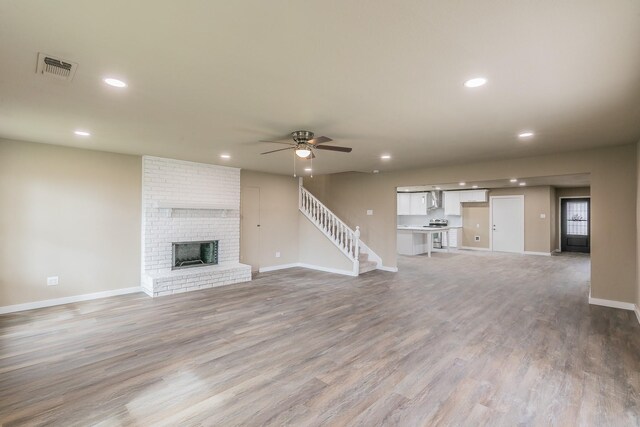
x=567 y=181
x=207 y=78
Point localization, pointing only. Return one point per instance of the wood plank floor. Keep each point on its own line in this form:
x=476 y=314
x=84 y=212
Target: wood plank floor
x=460 y=339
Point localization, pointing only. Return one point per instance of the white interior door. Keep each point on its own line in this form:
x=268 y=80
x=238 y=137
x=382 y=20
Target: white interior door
x=507 y=220
x=250 y=227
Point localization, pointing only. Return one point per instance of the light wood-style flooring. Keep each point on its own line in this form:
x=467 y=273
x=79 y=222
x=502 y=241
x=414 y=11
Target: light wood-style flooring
x=459 y=339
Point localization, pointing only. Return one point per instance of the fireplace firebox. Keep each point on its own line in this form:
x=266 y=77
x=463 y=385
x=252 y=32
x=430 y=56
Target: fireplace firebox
x=194 y=254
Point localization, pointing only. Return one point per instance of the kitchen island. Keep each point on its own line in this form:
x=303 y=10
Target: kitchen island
x=416 y=240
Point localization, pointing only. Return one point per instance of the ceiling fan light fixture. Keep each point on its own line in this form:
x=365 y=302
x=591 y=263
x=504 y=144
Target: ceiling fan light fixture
x=303 y=152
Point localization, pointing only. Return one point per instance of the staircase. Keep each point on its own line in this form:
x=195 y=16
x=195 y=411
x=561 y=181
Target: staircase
x=343 y=237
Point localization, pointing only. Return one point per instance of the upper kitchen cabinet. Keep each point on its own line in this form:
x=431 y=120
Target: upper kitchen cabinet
x=473 y=196
x=413 y=203
x=452 y=199
x=419 y=203
x=452 y=202
x=404 y=204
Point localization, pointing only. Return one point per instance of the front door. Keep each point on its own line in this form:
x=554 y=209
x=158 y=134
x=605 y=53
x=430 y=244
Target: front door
x=507 y=228
x=576 y=225
x=250 y=227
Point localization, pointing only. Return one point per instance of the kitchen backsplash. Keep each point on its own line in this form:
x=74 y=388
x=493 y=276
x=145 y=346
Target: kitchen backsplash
x=454 y=220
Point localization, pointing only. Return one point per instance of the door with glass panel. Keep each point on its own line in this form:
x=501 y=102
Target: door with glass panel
x=575 y=225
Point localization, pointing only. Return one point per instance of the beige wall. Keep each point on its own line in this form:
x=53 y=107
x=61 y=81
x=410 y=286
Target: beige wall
x=278 y=216
x=475 y=222
x=613 y=255
x=70 y=213
x=638 y=229
x=565 y=192
x=537 y=231
x=316 y=249
x=537 y=200
x=553 y=238
x=573 y=192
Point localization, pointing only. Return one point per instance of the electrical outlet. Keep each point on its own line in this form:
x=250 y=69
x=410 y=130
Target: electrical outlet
x=277 y=254
x=543 y=216
x=369 y=211
x=477 y=238
x=52 y=281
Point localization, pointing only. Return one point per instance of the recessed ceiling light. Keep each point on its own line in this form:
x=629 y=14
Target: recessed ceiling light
x=82 y=133
x=526 y=134
x=115 y=82
x=225 y=156
x=513 y=180
x=475 y=82
x=462 y=183
x=307 y=169
x=385 y=156
x=522 y=184
x=475 y=186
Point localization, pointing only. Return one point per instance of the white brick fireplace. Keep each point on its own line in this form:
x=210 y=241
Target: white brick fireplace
x=189 y=202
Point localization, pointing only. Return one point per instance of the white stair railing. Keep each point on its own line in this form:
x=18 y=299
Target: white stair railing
x=346 y=239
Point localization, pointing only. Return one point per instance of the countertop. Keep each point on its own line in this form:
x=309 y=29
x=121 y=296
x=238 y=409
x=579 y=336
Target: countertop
x=420 y=228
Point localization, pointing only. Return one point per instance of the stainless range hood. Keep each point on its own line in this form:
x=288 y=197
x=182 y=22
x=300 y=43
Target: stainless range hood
x=434 y=200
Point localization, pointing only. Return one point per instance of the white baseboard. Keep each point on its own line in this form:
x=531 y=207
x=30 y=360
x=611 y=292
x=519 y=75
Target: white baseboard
x=471 y=248
x=612 y=304
x=319 y=268
x=278 y=267
x=309 y=266
x=537 y=253
x=67 y=300
x=327 y=269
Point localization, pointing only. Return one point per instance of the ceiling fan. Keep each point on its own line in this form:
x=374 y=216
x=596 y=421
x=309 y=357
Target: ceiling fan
x=304 y=143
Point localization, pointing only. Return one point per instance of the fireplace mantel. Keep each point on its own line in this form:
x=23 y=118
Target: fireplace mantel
x=167 y=204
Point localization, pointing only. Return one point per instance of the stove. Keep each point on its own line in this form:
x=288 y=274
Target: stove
x=437 y=237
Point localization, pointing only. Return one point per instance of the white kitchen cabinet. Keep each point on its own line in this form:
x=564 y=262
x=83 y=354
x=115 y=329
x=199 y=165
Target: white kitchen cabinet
x=473 y=196
x=418 y=203
x=404 y=204
x=450 y=239
x=451 y=202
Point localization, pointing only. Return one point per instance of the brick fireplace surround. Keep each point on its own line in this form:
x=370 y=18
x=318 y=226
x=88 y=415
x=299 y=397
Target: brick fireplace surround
x=186 y=201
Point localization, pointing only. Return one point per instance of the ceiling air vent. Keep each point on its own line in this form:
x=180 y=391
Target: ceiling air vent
x=56 y=67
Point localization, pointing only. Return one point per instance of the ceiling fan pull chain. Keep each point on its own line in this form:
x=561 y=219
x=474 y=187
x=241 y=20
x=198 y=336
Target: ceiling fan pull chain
x=294 y=164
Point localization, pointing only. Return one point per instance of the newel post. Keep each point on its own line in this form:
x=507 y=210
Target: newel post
x=357 y=246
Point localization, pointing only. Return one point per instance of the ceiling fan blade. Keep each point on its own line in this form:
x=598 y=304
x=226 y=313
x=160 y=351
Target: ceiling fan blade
x=334 y=148
x=281 y=149
x=278 y=142
x=319 y=140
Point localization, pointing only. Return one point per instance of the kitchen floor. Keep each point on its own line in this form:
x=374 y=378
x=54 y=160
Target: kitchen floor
x=458 y=339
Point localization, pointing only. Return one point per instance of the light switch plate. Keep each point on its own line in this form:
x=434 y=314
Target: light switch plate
x=277 y=254
x=52 y=281
x=369 y=211
x=543 y=216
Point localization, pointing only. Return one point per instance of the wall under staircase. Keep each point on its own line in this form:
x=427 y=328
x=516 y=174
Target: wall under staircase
x=327 y=243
